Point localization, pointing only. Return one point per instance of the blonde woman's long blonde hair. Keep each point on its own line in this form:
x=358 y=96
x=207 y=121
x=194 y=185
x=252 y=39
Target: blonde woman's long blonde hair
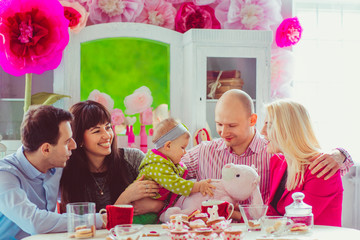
x=290 y=130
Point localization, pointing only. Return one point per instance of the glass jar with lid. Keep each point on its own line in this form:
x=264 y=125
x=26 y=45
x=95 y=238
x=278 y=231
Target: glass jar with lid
x=300 y=213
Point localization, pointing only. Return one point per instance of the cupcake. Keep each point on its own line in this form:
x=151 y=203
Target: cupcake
x=198 y=223
x=183 y=217
x=232 y=234
x=202 y=216
x=179 y=234
x=204 y=234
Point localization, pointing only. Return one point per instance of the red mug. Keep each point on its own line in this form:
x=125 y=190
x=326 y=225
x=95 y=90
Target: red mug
x=225 y=209
x=118 y=214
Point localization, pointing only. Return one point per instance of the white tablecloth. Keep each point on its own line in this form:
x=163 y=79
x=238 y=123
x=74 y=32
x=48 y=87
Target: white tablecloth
x=317 y=233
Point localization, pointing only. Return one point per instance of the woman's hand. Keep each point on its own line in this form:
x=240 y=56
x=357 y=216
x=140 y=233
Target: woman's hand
x=137 y=190
x=147 y=205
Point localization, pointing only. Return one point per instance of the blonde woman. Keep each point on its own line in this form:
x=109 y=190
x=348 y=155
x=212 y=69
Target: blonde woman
x=291 y=138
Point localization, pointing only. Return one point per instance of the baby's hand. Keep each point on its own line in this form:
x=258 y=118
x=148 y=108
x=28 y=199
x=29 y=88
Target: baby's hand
x=206 y=187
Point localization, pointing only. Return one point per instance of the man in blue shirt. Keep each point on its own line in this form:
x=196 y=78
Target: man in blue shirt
x=29 y=178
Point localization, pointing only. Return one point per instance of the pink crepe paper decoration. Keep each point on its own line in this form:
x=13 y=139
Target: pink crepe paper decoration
x=34 y=34
x=190 y=16
x=139 y=101
x=102 y=98
x=117 y=117
x=248 y=14
x=146 y=117
x=289 y=32
x=159 y=13
x=76 y=14
x=104 y=11
x=282 y=66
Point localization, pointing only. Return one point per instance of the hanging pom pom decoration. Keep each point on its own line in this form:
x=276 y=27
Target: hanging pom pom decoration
x=288 y=33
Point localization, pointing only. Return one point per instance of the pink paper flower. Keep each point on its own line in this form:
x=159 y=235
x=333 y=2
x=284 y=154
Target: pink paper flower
x=34 y=34
x=159 y=13
x=102 y=98
x=117 y=117
x=104 y=11
x=139 y=101
x=146 y=117
x=191 y=16
x=248 y=14
x=289 y=32
x=76 y=14
x=282 y=67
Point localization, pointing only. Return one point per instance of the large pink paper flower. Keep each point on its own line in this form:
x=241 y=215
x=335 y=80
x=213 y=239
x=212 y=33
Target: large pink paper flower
x=102 y=98
x=104 y=11
x=289 y=32
x=146 y=117
x=117 y=117
x=191 y=16
x=33 y=35
x=139 y=101
x=76 y=14
x=248 y=14
x=159 y=13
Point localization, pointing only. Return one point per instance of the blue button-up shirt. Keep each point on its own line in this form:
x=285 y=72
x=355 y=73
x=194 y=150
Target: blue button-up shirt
x=28 y=199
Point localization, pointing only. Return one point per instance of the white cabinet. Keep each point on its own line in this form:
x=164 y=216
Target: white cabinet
x=221 y=50
x=192 y=54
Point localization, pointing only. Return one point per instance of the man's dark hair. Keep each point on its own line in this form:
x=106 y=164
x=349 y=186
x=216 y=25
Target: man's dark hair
x=41 y=125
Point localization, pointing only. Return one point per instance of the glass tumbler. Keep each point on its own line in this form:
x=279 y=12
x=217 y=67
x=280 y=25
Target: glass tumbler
x=81 y=219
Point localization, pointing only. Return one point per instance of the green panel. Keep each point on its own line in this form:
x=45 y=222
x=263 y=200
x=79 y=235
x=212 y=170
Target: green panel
x=118 y=66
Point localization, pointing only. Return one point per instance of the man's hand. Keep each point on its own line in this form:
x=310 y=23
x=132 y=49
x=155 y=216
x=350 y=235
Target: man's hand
x=326 y=165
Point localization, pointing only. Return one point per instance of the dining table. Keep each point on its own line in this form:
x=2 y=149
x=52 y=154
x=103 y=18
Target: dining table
x=316 y=233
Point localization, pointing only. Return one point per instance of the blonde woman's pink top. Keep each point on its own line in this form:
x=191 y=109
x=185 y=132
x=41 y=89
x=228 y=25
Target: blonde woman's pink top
x=325 y=196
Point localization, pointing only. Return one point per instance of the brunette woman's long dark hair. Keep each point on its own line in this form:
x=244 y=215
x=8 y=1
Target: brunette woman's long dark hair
x=76 y=174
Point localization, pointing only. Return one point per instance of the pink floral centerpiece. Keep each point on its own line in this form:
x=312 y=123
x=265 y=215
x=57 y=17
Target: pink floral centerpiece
x=117 y=118
x=140 y=102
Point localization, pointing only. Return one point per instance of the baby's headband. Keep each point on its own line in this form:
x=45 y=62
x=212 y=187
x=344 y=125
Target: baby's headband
x=173 y=134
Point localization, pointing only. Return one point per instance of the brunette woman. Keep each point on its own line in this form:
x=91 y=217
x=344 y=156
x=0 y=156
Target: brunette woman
x=100 y=172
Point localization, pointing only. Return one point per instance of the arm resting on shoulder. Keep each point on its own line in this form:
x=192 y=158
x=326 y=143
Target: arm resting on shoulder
x=328 y=164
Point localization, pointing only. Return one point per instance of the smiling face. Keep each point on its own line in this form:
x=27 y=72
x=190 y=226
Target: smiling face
x=234 y=123
x=272 y=146
x=97 y=141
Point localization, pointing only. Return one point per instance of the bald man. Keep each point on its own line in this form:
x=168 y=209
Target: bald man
x=241 y=143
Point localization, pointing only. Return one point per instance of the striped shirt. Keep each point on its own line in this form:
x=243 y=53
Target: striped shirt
x=207 y=159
